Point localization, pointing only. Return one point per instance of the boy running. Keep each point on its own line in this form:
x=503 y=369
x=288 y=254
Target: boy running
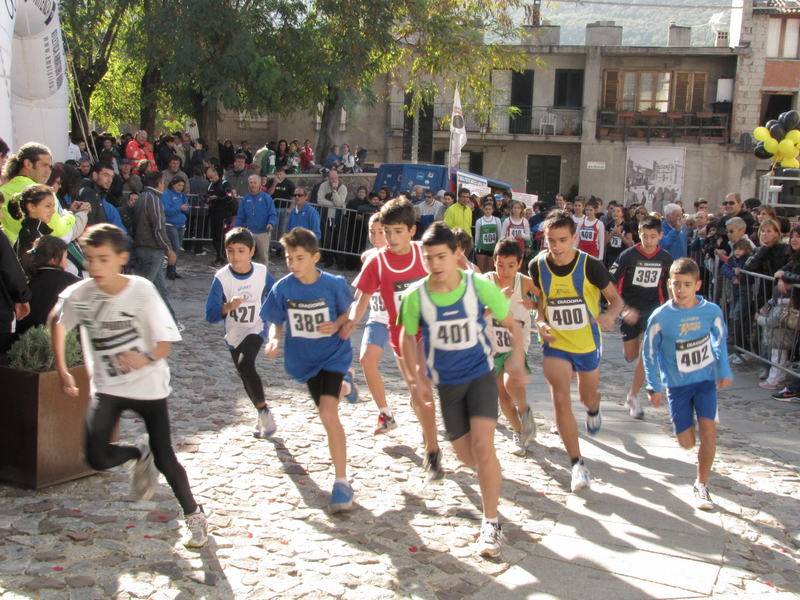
x=448 y=307
x=685 y=352
x=315 y=305
x=569 y=321
x=640 y=274
x=376 y=336
x=236 y=296
x=126 y=335
x=391 y=271
x=591 y=232
x=487 y=232
x=516 y=287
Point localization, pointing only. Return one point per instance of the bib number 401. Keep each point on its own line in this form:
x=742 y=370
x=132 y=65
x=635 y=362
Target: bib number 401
x=453 y=334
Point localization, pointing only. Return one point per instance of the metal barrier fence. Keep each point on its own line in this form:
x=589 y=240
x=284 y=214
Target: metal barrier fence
x=344 y=231
x=762 y=320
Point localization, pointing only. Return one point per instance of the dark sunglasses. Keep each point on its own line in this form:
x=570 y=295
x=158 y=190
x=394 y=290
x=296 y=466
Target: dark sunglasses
x=298 y=195
x=641 y=212
x=728 y=203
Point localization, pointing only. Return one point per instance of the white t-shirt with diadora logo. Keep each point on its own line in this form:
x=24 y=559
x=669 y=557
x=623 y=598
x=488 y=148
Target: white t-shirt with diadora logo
x=136 y=319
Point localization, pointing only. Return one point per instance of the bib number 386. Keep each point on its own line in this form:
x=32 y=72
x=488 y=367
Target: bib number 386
x=694 y=355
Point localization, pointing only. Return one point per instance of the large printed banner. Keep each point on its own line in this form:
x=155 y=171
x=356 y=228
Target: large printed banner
x=475 y=184
x=654 y=176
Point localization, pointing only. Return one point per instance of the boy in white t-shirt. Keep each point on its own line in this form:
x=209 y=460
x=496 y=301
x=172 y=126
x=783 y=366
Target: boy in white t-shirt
x=237 y=293
x=126 y=335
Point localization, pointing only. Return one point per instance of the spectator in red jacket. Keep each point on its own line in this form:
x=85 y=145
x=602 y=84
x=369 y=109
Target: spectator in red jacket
x=139 y=149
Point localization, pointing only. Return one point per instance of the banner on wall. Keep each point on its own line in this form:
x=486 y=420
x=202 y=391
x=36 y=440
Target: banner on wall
x=654 y=176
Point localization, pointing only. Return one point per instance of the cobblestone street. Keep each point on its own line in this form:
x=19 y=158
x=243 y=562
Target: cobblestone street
x=634 y=535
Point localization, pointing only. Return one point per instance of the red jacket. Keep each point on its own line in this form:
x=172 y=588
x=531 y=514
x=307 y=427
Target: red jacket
x=136 y=152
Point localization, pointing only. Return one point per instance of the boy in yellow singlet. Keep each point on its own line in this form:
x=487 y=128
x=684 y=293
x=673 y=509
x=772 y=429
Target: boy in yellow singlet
x=569 y=322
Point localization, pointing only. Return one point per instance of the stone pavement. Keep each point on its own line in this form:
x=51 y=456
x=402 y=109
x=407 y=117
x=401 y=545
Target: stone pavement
x=633 y=535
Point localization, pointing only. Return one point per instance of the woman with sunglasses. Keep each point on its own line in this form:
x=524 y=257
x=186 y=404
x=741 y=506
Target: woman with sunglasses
x=637 y=216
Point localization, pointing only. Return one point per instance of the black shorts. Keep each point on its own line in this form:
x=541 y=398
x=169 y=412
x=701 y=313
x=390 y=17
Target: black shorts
x=484 y=252
x=462 y=401
x=632 y=332
x=325 y=383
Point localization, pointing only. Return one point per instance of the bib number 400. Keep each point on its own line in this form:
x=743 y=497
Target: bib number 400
x=564 y=317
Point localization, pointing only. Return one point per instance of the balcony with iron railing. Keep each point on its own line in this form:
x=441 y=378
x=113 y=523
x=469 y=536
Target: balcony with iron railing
x=536 y=120
x=712 y=127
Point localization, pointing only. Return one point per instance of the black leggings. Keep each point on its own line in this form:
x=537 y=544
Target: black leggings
x=101 y=454
x=244 y=357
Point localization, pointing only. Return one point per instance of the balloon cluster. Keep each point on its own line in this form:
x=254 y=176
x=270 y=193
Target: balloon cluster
x=779 y=140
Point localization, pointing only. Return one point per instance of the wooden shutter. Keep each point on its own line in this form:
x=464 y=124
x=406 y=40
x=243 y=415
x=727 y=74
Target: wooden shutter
x=699 y=89
x=681 y=99
x=611 y=90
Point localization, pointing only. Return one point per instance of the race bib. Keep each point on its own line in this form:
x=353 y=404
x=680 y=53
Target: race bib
x=305 y=317
x=646 y=276
x=587 y=234
x=106 y=351
x=455 y=334
x=502 y=339
x=567 y=314
x=489 y=238
x=400 y=288
x=616 y=242
x=515 y=231
x=245 y=314
x=376 y=303
x=694 y=355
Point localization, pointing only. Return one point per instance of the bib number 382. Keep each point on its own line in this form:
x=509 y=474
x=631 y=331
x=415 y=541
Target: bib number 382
x=694 y=355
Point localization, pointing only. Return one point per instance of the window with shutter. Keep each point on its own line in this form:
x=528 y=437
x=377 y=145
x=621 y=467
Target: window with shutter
x=681 y=101
x=611 y=90
x=699 y=87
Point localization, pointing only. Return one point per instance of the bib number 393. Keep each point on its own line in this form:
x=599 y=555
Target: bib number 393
x=694 y=355
x=567 y=314
x=305 y=317
x=646 y=276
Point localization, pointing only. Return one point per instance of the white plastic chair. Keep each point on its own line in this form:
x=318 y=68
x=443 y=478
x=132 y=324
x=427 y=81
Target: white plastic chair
x=548 y=120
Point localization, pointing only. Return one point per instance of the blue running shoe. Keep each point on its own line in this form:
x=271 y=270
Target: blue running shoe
x=352 y=396
x=593 y=422
x=341 y=498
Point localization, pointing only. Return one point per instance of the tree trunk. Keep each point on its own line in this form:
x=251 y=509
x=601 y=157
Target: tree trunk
x=329 y=131
x=207 y=118
x=151 y=80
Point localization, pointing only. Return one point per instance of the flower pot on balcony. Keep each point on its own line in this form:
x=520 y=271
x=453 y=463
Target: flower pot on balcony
x=651 y=113
x=567 y=130
x=674 y=115
x=42 y=429
x=663 y=134
x=604 y=131
x=705 y=115
x=626 y=114
x=640 y=133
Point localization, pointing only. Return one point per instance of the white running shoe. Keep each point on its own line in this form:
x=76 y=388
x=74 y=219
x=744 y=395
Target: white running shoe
x=197 y=525
x=518 y=447
x=702 y=499
x=635 y=407
x=265 y=424
x=489 y=540
x=580 y=477
x=144 y=477
x=593 y=422
x=528 y=426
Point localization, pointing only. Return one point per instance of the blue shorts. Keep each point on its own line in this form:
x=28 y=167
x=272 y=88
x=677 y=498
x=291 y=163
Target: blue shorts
x=588 y=361
x=376 y=334
x=686 y=400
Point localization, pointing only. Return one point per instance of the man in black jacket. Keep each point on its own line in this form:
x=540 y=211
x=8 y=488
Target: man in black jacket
x=14 y=293
x=95 y=189
x=221 y=206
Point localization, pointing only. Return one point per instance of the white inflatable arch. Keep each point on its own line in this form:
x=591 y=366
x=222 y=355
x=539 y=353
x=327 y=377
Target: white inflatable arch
x=34 y=98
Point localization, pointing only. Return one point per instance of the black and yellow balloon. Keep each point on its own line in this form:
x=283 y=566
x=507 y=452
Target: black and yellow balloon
x=779 y=140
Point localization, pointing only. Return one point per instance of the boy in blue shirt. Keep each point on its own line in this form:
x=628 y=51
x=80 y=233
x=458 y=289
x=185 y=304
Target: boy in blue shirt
x=236 y=297
x=448 y=306
x=315 y=305
x=685 y=345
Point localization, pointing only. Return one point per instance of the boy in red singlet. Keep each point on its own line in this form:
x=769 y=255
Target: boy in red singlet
x=591 y=232
x=391 y=271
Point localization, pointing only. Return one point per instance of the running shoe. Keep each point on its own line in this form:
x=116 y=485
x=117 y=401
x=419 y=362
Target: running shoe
x=528 y=426
x=786 y=395
x=385 y=423
x=635 y=407
x=593 y=422
x=432 y=463
x=736 y=359
x=580 y=477
x=197 y=525
x=265 y=424
x=180 y=326
x=352 y=395
x=763 y=373
x=144 y=476
x=489 y=540
x=341 y=498
x=518 y=447
x=702 y=499
x=767 y=385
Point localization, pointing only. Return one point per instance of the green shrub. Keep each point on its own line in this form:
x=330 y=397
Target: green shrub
x=34 y=351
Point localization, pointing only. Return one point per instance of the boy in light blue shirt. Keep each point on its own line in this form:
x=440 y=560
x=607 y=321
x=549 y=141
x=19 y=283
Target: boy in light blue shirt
x=685 y=353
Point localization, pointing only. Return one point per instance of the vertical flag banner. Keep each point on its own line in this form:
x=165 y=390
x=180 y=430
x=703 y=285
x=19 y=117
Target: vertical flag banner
x=458 y=132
